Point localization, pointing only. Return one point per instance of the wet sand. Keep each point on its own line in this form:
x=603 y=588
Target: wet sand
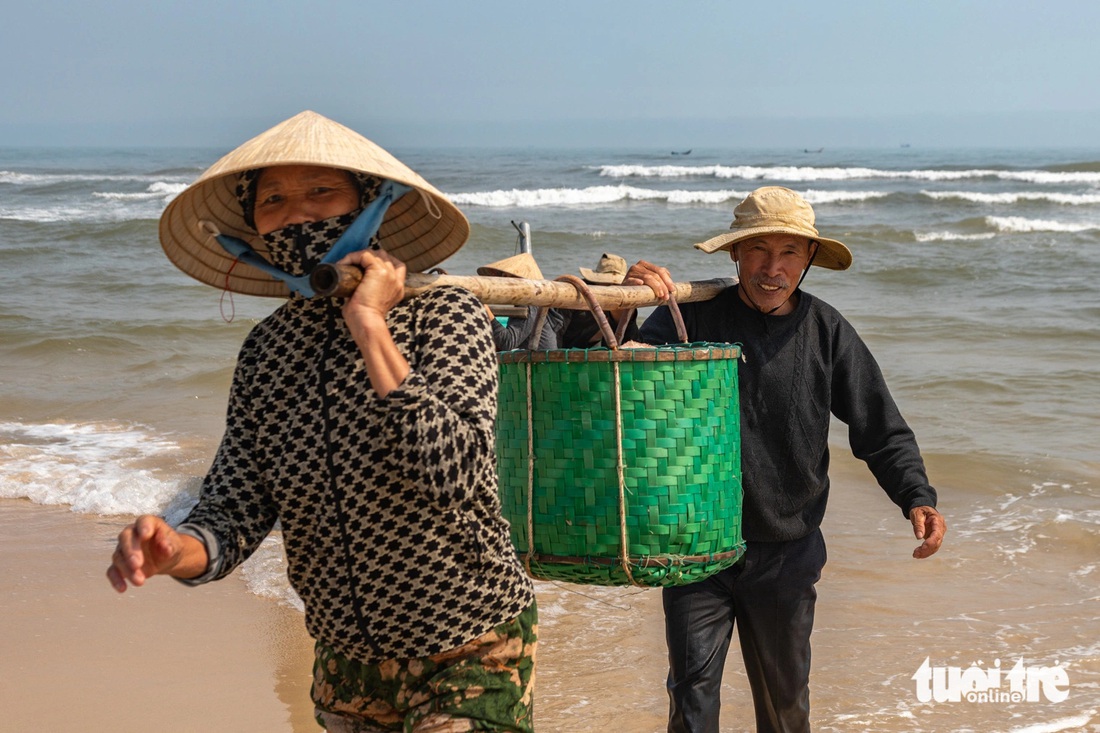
x=78 y=656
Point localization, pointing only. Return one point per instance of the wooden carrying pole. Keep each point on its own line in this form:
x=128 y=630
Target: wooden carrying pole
x=338 y=281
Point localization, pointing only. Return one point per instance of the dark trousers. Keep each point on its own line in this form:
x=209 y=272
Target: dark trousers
x=770 y=595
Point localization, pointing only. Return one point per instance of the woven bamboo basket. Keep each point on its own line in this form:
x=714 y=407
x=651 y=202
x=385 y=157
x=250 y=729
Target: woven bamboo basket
x=621 y=466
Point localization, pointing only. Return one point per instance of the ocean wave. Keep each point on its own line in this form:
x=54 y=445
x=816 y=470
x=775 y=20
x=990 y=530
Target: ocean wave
x=95 y=468
x=161 y=190
x=1019 y=224
x=117 y=208
x=68 y=214
x=103 y=206
x=48 y=179
x=44 y=214
x=596 y=195
x=808 y=174
x=1088 y=165
x=265 y=573
x=952 y=236
x=1068 y=199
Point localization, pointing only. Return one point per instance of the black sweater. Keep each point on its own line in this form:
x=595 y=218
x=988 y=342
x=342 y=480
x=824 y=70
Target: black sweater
x=798 y=369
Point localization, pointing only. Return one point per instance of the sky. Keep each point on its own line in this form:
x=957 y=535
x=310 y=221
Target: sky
x=577 y=73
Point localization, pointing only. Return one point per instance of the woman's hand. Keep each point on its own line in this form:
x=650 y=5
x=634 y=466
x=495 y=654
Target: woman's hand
x=382 y=287
x=151 y=547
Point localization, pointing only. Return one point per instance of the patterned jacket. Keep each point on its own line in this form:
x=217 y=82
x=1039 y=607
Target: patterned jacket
x=388 y=506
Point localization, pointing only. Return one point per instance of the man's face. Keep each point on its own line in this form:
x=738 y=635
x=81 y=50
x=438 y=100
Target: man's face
x=770 y=268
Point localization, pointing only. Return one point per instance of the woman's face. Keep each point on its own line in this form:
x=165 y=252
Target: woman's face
x=299 y=194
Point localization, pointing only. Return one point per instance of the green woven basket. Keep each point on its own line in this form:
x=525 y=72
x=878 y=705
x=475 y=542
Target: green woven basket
x=622 y=466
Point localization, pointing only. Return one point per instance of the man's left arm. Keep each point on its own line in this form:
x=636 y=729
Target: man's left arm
x=880 y=436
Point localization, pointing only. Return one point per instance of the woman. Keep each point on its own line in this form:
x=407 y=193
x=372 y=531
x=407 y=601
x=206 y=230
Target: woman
x=365 y=428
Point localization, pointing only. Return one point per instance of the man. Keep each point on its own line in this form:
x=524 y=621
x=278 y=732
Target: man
x=517 y=334
x=580 y=329
x=803 y=361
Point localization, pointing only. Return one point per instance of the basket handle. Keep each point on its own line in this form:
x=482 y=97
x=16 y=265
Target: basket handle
x=677 y=319
x=593 y=305
x=612 y=339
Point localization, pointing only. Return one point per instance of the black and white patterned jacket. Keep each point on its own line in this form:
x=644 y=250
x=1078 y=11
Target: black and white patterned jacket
x=388 y=506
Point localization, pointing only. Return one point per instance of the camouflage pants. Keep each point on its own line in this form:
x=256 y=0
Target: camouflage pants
x=485 y=685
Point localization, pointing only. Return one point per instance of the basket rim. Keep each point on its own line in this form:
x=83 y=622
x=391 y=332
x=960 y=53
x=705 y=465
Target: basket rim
x=641 y=561
x=697 y=351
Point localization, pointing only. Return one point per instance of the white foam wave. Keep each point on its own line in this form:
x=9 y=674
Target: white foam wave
x=265 y=573
x=580 y=196
x=1068 y=199
x=46 y=179
x=161 y=190
x=45 y=215
x=91 y=215
x=840 y=197
x=95 y=468
x=807 y=174
x=1054 y=726
x=104 y=206
x=952 y=236
x=112 y=207
x=1019 y=224
x=602 y=195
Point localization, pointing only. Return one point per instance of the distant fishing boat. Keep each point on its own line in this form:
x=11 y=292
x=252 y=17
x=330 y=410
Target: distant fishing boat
x=685 y=152
x=807 y=150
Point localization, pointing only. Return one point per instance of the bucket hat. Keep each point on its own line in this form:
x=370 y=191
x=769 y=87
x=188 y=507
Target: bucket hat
x=778 y=210
x=421 y=228
x=522 y=265
x=610 y=270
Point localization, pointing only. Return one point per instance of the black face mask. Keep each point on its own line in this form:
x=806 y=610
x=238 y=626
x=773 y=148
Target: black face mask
x=297 y=249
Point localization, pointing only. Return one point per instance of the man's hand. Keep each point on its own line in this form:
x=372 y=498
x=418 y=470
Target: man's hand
x=646 y=273
x=930 y=526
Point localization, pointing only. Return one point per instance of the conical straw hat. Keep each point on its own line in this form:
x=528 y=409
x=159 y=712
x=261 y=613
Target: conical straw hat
x=422 y=228
x=522 y=265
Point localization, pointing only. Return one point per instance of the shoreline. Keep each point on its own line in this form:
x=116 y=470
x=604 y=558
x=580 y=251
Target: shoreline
x=219 y=657
x=79 y=656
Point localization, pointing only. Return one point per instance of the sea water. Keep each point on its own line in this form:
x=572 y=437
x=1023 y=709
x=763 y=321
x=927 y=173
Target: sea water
x=973 y=282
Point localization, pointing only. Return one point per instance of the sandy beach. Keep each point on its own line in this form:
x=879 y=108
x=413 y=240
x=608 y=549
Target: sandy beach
x=218 y=658
x=79 y=657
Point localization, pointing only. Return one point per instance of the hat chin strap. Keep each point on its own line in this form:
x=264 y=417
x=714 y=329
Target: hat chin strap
x=356 y=237
x=737 y=266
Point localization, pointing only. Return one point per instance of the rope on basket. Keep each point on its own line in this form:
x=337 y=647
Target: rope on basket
x=623 y=544
x=530 y=476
